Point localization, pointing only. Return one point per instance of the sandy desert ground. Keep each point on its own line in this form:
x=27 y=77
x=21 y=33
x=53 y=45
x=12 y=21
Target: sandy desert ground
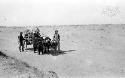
x=88 y=51
x=13 y=68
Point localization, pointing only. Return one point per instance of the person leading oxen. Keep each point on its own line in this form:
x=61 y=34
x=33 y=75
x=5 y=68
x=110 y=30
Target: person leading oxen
x=56 y=38
x=36 y=36
x=21 y=42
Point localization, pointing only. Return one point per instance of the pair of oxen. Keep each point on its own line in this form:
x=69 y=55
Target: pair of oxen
x=44 y=45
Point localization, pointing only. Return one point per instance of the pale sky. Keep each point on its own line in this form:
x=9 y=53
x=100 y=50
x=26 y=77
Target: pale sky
x=61 y=12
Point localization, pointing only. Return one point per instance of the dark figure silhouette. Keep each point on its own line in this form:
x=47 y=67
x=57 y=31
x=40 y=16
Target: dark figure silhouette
x=21 y=42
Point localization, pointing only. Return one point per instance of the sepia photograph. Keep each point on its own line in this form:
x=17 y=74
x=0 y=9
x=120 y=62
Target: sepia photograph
x=62 y=38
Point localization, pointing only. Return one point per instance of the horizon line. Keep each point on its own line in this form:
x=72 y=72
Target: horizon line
x=56 y=25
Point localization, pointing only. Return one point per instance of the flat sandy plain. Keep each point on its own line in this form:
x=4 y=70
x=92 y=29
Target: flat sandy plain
x=88 y=51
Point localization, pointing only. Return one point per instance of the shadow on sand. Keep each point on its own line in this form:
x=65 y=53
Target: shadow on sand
x=52 y=52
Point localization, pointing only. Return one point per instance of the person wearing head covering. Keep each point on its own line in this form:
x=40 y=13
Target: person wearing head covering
x=37 y=32
x=56 y=37
x=21 y=42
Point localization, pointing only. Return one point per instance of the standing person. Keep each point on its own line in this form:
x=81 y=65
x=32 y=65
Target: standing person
x=26 y=37
x=37 y=34
x=21 y=42
x=57 y=39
